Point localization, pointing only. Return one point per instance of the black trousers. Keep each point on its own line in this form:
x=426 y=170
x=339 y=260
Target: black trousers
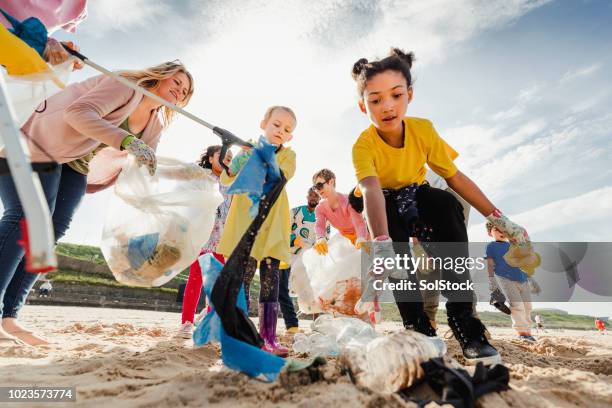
x=286 y=304
x=443 y=213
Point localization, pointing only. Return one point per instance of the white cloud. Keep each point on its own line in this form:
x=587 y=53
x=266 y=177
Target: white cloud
x=525 y=97
x=124 y=15
x=587 y=104
x=570 y=215
x=585 y=71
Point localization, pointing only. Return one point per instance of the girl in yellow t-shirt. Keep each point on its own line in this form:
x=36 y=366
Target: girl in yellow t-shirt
x=271 y=246
x=389 y=159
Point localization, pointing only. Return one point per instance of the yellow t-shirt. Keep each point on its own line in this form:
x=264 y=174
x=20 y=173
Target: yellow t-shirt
x=273 y=237
x=399 y=167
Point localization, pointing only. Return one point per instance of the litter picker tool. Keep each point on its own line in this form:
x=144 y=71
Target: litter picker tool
x=227 y=138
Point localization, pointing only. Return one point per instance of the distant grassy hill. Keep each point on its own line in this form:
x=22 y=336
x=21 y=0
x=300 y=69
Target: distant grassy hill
x=553 y=319
x=82 y=252
x=93 y=254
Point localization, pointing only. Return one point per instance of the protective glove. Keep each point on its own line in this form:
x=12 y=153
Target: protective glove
x=534 y=287
x=361 y=243
x=141 y=151
x=239 y=161
x=321 y=246
x=297 y=242
x=515 y=233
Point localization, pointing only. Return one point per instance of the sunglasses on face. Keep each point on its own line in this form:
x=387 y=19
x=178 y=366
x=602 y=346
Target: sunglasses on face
x=319 y=186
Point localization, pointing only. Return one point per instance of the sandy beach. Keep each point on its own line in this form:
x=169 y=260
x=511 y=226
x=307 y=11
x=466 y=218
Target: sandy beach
x=126 y=358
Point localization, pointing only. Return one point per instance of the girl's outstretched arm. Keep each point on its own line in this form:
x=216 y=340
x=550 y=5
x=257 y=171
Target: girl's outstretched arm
x=374 y=204
x=470 y=192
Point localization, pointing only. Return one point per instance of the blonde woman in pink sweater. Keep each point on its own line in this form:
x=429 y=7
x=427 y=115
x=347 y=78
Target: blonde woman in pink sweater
x=334 y=207
x=89 y=128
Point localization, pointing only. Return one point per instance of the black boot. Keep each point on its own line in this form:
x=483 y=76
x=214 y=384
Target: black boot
x=421 y=324
x=470 y=333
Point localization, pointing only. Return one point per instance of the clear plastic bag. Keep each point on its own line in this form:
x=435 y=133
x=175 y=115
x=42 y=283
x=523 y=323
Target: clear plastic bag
x=27 y=92
x=156 y=226
x=332 y=335
x=347 y=332
x=335 y=278
x=299 y=284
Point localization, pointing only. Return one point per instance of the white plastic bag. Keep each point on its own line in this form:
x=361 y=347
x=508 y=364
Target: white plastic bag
x=156 y=226
x=28 y=92
x=335 y=278
x=299 y=284
x=332 y=335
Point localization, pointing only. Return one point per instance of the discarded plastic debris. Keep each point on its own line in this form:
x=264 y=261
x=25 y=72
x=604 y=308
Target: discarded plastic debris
x=393 y=362
x=333 y=334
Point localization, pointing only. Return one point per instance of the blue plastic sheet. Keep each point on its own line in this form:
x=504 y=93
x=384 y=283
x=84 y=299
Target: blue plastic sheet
x=141 y=248
x=259 y=174
x=236 y=355
x=31 y=31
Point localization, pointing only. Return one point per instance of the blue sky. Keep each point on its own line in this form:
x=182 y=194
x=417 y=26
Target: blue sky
x=522 y=89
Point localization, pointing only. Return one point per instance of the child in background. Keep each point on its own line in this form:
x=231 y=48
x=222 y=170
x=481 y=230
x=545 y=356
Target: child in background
x=45 y=289
x=601 y=326
x=514 y=283
x=539 y=324
x=271 y=246
x=208 y=160
x=335 y=209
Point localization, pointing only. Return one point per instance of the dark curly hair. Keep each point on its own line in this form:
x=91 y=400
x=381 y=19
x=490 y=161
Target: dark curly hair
x=397 y=60
x=206 y=157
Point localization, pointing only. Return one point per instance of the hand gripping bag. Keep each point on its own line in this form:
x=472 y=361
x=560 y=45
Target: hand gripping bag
x=335 y=278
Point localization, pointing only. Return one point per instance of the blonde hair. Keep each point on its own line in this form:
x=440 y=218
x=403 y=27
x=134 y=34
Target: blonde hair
x=271 y=110
x=325 y=174
x=149 y=78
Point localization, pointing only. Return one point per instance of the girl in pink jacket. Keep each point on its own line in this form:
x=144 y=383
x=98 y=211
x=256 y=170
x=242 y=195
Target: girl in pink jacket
x=88 y=129
x=335 y=209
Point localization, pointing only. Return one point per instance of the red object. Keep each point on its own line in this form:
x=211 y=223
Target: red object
x=600 y=324
x=25 y=243
x=191 y=297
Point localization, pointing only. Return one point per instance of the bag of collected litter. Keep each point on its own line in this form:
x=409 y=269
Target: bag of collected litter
x=335 y=278
x=156 y=226
x=299 y=284
x=28 y=92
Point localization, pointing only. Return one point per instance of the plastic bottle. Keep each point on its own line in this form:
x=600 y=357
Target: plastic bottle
x=393 y=362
